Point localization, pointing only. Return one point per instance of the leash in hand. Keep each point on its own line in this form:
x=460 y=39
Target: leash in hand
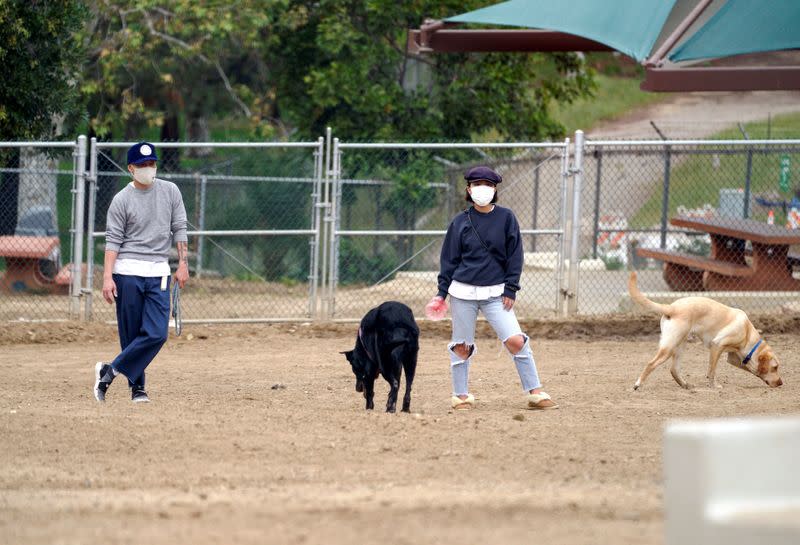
x=176 y=308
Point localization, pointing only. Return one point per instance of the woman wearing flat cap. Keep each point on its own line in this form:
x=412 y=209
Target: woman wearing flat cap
x=480 y=266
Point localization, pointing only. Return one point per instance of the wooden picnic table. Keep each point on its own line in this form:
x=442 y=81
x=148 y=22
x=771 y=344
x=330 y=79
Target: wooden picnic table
x=727 y=268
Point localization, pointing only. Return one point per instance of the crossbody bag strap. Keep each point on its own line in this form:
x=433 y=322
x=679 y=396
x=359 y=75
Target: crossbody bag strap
x=469 y=218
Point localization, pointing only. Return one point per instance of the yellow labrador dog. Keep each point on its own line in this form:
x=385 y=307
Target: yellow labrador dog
x=721 y=328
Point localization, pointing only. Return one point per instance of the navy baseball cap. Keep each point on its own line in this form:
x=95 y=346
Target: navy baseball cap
x=482 y=173
x=141 y=153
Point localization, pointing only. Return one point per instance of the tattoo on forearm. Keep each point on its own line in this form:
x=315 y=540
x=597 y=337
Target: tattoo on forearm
x=183 y=252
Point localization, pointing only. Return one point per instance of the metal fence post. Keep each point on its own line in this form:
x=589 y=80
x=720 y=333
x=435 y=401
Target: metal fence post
x=316 y=196
x=334 y=225
x=665 y=195
x=598 y=178
x=574 y=254
x=326 y=227
x=77 y=227
x=748 y=174
x=535 y=219
x=89 y=289
x=201 y=221
x=561 y=292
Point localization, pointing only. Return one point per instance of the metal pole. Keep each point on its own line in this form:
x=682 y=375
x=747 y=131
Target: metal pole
x=89 y=290
x=316 y=195
x=599 y=154
x=665 y=195
x=77 y=242
x=574 y=256
x=326 y=219
x=201 y=226
x=748 y=175
x=562 y=243
x=657 y=58
x=333 y=226
x=535 y=199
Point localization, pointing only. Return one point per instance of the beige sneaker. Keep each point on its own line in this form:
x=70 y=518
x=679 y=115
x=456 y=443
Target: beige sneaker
x=541 y=402
x=462 y=404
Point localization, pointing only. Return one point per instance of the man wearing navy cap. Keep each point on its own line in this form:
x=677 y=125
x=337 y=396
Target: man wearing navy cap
x=143 y=220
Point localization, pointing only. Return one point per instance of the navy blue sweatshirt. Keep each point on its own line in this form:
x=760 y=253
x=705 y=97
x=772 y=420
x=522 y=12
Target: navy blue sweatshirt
x=465 y=259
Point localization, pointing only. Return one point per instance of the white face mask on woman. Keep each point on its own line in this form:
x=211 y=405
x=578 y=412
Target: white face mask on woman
x=482 y=194
x=144 y=175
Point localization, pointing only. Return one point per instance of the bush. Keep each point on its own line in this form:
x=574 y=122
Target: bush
x=356 y=266
x=613 y=263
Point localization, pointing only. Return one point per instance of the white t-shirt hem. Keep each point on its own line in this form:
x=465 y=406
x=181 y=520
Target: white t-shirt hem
x=474 y=293
x=138 y=267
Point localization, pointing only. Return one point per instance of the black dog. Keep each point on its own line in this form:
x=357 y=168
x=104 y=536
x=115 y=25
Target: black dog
x=387 y=343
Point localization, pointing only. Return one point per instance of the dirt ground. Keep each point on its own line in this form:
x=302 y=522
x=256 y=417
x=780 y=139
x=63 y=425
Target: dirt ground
x=256 y=435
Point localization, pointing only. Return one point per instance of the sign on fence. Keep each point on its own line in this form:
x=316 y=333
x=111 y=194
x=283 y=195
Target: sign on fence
x=785 y=176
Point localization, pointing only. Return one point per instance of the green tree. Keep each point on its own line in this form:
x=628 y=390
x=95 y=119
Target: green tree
x=41 y=57
x=345 y=63
x=152 y=63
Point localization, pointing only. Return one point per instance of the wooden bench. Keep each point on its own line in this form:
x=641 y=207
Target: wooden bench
x=684 y=272
x=32 y=264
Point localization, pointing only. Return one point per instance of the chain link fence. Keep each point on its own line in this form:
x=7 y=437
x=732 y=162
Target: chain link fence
x=329 y=229
x=37 y=214
x=252 y=225
x=693 y=218
x=392 y=203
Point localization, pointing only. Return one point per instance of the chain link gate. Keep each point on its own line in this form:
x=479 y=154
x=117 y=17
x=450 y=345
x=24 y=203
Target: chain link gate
x=391 y=203
x=39 y=218
x=253 y=226
x=635 y=189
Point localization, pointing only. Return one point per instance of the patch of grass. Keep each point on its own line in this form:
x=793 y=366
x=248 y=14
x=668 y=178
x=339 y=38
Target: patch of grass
x=697 y=179
x=613 y=97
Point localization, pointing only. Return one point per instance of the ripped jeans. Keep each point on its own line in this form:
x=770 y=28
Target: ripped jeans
x=505 y=324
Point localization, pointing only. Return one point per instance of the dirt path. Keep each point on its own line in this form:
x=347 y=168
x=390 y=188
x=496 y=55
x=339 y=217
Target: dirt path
x=220 y=456
x=698 y=115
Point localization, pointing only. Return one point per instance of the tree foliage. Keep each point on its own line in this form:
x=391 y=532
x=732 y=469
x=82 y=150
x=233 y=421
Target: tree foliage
x=151 y=60
x=41 y=56
x=345 y=63
x=297 y=66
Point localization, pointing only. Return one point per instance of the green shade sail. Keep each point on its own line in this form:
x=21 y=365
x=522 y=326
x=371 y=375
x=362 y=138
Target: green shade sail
x=744 y=26
x=629 y=26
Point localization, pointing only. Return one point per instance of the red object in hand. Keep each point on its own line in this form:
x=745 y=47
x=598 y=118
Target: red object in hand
x=436 y=309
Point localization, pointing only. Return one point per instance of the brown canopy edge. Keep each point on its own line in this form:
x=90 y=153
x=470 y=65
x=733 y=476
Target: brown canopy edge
x=719 y=78
x=452 y=41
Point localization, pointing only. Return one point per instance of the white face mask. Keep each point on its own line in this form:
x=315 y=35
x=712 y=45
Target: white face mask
x=482 y=194
x=144 y=175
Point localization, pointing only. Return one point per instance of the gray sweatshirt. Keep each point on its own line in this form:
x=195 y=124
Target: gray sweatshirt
x=142 y=223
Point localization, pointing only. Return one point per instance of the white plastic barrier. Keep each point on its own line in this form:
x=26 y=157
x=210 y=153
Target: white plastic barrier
x=732 y=482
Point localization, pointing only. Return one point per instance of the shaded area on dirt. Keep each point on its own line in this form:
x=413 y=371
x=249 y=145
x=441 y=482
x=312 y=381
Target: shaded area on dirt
x=594 y=327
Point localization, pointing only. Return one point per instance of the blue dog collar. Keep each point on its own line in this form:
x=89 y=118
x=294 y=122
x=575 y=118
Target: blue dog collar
x=749 y=355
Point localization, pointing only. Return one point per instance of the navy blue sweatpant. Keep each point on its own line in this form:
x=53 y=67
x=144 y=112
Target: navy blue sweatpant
x=143 y=323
